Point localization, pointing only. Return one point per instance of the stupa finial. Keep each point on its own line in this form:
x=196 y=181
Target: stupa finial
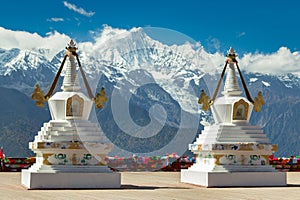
x=231 y=55
x=231 y=87
x=70 y=82
x=71 y=46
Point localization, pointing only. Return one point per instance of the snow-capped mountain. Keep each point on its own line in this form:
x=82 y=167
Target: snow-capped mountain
x=144 y=72
x=171 y=67
x=22 y=68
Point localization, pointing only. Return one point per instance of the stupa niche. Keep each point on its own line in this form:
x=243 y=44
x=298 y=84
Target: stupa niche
x=70 y=150
x=231 y=152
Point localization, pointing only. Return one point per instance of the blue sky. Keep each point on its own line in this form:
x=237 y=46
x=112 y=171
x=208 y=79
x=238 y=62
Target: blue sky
x=248 y=26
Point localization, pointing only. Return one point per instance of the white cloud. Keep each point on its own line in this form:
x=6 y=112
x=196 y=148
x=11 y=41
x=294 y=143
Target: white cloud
x=78 y=10
x=281 y=62
x=54 y=41
x=241 y=34
x=55 y=19
x=213 y=44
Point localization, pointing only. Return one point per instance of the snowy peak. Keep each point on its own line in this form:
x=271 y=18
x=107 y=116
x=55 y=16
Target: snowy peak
x=7 y=55
x=143 y=72
x=16 y=59
x=115 y=37
x=117 y=53
x=289 y=80
x=134 y=49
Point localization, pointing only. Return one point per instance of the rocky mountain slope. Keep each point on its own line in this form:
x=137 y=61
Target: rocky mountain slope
x=153 y=90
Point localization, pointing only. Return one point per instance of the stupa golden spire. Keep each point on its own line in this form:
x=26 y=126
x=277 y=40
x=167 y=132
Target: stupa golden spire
x=231 y=87
x=70 y=82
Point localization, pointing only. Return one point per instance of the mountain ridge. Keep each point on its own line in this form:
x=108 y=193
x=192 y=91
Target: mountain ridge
x=129 y=63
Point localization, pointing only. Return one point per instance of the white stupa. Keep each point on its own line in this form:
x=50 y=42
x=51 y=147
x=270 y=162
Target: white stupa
x=231 y=152
x=70 y=150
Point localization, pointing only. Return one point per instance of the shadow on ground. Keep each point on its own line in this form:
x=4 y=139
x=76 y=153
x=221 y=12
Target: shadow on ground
x=136 y=187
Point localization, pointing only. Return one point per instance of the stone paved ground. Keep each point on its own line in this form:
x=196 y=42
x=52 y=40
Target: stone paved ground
x=150 y=185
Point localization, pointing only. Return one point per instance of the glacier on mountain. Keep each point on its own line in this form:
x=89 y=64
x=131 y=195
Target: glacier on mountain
x=115 y=53
x=152 y=72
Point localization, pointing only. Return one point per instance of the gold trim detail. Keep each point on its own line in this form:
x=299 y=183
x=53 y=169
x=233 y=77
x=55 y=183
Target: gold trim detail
x=205 y=101
x=258 y=102
x=199 y=147
x=243 y=159
x=102 y=161
x=246 y=147
x=274 y=147
x=45 y=158
x=75 y=145
x=74 y=159
x=73 y=109
x=217 y=159
x=38 y=96
x=40 y=145
x=266 y=158
x=100 y=98
x=240 y=110
x=260 y=146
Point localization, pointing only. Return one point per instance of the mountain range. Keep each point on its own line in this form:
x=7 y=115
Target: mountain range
x=153 y=89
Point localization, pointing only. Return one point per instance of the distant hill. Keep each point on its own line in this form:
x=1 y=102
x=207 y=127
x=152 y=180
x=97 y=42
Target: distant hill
x=20 y=120
x=150 y=86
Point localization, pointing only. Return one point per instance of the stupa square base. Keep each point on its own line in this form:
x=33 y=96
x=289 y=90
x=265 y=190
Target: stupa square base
x=70 y=180
x=233 y=179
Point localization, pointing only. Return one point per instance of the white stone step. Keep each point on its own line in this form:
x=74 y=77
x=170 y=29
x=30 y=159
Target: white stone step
x=244 y=168
x=241 y=135
x=232 y=127
x=72 y=133
x=80 y=138
x=73 y=128
x=69 y=168
x=249 y=140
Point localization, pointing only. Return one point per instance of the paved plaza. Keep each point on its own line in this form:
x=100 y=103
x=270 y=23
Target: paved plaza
x=150 y=185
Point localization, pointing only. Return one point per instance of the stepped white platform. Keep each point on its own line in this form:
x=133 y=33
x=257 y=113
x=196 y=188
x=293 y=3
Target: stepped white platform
x=70 y=150
x=232 y=155
x=58 y=176
x=70 y=154
x=231 y=152
x=233 y=179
